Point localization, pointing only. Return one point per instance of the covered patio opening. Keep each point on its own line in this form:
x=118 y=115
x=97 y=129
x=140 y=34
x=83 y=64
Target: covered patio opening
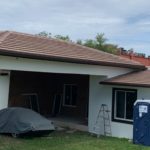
x=61 y=97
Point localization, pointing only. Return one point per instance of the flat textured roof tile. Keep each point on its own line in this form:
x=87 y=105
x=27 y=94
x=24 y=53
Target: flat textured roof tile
x=138 y=78
x=33 y=46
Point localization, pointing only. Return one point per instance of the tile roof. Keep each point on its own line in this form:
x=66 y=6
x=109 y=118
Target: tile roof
x=32 y=46
x=139 y=78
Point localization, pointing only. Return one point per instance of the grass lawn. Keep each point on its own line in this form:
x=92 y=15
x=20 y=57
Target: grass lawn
x=67 y=141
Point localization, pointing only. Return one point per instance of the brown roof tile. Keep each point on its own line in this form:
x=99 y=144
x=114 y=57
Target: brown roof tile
x=140 y=78
x=31 y=46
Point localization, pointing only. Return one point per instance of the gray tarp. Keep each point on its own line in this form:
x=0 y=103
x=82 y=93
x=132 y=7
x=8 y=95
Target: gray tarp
x=21 y=120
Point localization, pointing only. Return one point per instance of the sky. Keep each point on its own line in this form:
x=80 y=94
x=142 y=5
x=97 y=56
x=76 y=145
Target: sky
x=125 y=23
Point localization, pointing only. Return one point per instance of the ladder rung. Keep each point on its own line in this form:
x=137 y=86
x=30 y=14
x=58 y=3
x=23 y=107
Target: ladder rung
x=106 y=118
x=107 y=125
x=107 y=130
x=103 y=105
x=107 y=133
x=101 y=116
x=106 y=121
x=105 y=110
x=96 y=127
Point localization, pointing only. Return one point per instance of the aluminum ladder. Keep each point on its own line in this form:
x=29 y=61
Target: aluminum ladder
x=103 y=121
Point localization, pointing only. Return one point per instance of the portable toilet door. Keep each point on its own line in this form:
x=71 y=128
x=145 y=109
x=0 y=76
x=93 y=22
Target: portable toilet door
x=141 y=122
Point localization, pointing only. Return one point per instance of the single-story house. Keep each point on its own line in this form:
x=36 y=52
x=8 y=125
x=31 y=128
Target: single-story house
x=65 y=79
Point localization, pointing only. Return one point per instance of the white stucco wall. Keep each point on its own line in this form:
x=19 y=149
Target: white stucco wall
x=102 y=94
x=22 y=64
x=98 y=93
x=4 y=90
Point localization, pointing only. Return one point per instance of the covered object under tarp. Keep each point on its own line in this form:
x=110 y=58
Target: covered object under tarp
x=16 y=120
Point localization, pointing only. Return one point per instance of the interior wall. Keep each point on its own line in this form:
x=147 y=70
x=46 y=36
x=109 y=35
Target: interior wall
x=46 y=85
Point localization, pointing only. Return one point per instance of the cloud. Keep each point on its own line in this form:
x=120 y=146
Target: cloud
x=125 y=23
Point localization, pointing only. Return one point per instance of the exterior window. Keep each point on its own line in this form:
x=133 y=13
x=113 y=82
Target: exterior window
x=123 y=101
x=70 y=95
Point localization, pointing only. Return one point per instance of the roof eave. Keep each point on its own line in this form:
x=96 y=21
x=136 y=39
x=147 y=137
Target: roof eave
x=66 y=59
x=125 y=84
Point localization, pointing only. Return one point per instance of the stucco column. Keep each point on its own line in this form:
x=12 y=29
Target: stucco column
x=4 y=88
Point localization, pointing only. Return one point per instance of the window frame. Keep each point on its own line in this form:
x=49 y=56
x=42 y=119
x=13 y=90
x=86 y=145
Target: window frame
x=64 y=91
x=114 y=109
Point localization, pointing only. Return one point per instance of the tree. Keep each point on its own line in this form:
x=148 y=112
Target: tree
x=61 y=37
x=79 y=41
x=90 y=43
x=100 y=43
x=44 y=34
x=49 y=35
x=110 y=48
x=100 y=39
x=97 y=43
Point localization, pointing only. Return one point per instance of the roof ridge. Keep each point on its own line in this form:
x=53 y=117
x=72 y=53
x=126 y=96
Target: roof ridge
x=4 y=35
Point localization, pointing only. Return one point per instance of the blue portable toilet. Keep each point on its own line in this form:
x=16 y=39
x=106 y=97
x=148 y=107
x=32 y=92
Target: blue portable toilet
x=141 y=122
